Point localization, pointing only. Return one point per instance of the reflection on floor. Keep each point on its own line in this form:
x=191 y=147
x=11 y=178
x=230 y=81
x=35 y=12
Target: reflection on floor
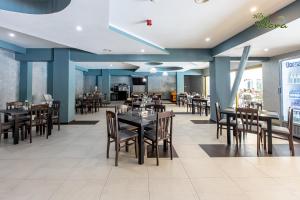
x=72 y=165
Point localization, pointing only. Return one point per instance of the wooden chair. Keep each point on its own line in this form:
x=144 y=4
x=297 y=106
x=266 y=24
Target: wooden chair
x=5 y=127
x=162 y=132
x=56 y=113
x=118 y=136
x=222 y=123
x=283 y=132
x=14 y=105
x=38 y=119
x=249 y=119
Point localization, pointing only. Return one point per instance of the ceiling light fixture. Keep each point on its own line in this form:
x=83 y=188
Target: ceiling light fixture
x=142 y=50
x=165 y=74
x=110 y=65
x=207 y=39
x=253 y=9
x=266 y=49
x=144 y=80
x=153 y=70
x=11 y=35
x=200 y=1
x=78 y=28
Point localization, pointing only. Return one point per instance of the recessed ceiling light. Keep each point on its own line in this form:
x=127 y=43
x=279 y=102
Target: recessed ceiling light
x=11 y=35
x=201 y=1
x=143 y=50
x=153 y=70
x=266 y=49
x=110 y=65
x=207 y=39
x=253 y=9
x=78 y=28
x=165 y=74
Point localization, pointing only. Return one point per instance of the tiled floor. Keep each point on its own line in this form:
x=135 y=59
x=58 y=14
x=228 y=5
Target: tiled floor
x=71 y=165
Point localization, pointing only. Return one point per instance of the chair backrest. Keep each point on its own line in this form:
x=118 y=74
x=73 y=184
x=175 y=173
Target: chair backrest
x=56 y=107
x=111 y=123
x=39 y=113
x=121 y=109
x=14 y=105
x=249 y=118
x=218 y=111
x=291 y=120
x=164 y=125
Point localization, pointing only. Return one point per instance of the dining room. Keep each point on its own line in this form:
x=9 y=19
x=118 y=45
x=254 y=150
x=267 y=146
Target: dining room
x=99 y=102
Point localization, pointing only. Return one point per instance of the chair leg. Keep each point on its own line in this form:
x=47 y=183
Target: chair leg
x=30 y=135
x=157 y=154
x=107 y=148
x=258 y=143
x=58 y=124
x=221 y=127
x=171 y=148
x=218 y=131
x=126 y=147
x=265 y=139
x=292 y=145
x=135 y=147
x=117 y=153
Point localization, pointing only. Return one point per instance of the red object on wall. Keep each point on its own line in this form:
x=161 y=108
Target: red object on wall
x=149 y=22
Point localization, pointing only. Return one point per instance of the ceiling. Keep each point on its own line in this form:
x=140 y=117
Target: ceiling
x=141 y=66
x=278 y=41
x=25 y=40
x=176 y=24
x=185 y=24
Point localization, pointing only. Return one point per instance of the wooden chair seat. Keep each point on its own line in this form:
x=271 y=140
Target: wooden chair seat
x=6 y=126
x=151 y=135
x=252 y=129
x=278 y=130
x=123 y=126
x=125 y=135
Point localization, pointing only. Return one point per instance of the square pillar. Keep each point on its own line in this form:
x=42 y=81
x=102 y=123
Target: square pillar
x=50 y=78
x=106 y=83
x=220 y=89
x=25 y=87
x=64 y=84
x=179 y=82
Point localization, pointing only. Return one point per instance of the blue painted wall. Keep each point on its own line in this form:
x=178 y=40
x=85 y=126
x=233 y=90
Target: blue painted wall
x=25 y=81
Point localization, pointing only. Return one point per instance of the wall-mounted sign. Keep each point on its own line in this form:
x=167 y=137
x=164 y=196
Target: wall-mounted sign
x=265 y=22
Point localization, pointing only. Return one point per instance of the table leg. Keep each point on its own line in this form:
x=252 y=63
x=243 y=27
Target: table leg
x=269 y=126
x=206 y=109
x=165 y=145
x=5 y=120
x=16 y=131
x=193 y=107
x=49 y=124
x=228 y=130
x=141 y=145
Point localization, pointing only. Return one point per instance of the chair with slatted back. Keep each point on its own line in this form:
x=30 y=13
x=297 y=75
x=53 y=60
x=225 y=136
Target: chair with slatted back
x=56 y=113
x=283 y=132
x=163 y=132
x=5 y=127
x=222 y=123
x=38 y=119
x=118 y=136
x=14 y=105
x=249 y=123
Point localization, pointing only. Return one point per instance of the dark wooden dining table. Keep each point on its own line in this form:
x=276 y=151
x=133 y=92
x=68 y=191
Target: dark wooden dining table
x=200 y=100
x=264 y=115
x=15 y=114
x=134 y=119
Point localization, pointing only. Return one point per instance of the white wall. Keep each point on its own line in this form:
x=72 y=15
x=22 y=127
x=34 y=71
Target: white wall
x=39 y=81
x=9 y=78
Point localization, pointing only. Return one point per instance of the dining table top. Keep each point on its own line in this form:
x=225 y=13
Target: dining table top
x=261 y=113
x=13 y=112
x=136 y=118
